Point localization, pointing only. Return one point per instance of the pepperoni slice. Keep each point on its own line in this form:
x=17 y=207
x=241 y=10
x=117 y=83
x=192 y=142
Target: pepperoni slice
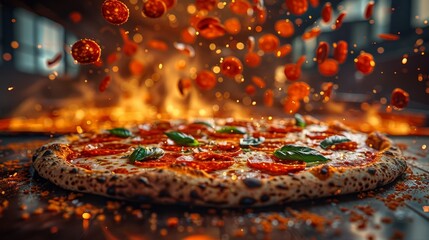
x=351 y=146
x=286 y=129
x=208 y=166
x=269 y=135
x=98 y=138
x=266 y=164
x=115 y=12
x=105 y=149
x=164 y=161
x=225 y=149
x=319 y=135
x=86 y=51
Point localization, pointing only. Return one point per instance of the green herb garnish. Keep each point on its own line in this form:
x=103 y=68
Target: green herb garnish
x=299 y=120
x=294 y=152
x=120 y=132
x=182 y=139
x=142 y=154
x=231 y=129
x=332 y=140
x=203 y=123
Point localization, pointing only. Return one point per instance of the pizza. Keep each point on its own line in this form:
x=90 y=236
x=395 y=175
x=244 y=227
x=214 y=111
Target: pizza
x=222 y=162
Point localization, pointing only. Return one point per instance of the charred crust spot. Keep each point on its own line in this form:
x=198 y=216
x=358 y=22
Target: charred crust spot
x=144 y=198
x=389 y=153
x=211 y=202
x=101 y=179
x=194 y=195
x=324 y=170
x=81 y=188
x=73 y=170
x=331 y=184
x=202 y=186
x=371 y=171
x=282 y=187
x=47 y=153
x=164 y=193
x=247 y=201
x=111 y=191
x=144 y=181
x=35 y=156
x=114 y=178
x=265 y=198
x=252 y=182
x=394 y=148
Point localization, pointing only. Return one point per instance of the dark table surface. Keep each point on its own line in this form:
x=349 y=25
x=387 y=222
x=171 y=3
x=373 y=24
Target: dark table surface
x=33 y=208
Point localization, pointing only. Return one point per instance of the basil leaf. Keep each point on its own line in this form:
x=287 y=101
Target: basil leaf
x=251 y=141
x=203 y=123
x=182 y=139
x=141 y=154
x=230 y=129
x=294 y=152
x=120 y=132
x=299 y=120
x=332 y=140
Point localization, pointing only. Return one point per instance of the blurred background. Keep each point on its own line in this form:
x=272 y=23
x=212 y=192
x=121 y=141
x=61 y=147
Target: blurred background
x=65 y=96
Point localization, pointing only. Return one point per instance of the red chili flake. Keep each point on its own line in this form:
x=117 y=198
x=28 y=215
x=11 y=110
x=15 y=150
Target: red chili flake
x=284 y=28
x=328 y=68
x=291 y=105
x=104 y=84
x=339 y=21
x=231 y=66
x=250 y=43
x=341 y=51
x=240 y=7
x=293 y=70
x=314 y=32
x=322 y=52
x=206 y=4
x=112 y=58
x=268 y=43
x=327 y=12
x=261 y=14
x=268 y=98
x=259 y=82
x=157 y=45
x=365 y=63
x=250 y=90
x=284 y=50
x=327 y=90
x=86 y=51
x=115 y=12
x=232 y=25
x=206 y=80
x=129 y=48
x=75 y=17
x=188 y=35
x=56 y=59
x=369 y=9
x=252 y=59
x=136 y=67
x=399 y=98
x=184 y=85
x=297 y=7
x=314 y=3
x=388 y=36
x=154 y=8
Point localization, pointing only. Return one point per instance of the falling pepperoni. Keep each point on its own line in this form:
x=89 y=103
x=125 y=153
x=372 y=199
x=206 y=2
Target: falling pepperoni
x=297 y=7
x=369 y=9
x=314 y=3
x=291 y=105
x=365 y=63
x=284 y=28
x=259 y=82
x=154 y=8
x=250 y=90
x=75 y=17
x=104 y=84
x=268 y=43
x=284 y=50
x=232 y=25
x=231 y=66
x=340 y=51
x=157 y=45
x=136 y=68
x=298 y=90
x=206 y=80
x=115 y=12
x=112 y=58
x=293 y=70
x=328 y=68
x=252 y=59
x=268 y=98
x=399 y=98
x=339 y=21
x=86 y=51
x=240 y=7
x=130 y=48
x=312 y=33
x=210 y=28
x=327 y=12
x=388 y=36
x=207 y=5
x=322 y=52
x=188 y=35
x=327 y=90
x=55 y=60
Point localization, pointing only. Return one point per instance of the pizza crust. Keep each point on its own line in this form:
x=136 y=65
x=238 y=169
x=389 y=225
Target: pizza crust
x=180 y=184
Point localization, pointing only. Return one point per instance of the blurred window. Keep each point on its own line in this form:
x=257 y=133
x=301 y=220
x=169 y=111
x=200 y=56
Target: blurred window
x=40 y=40
x=420 y=13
